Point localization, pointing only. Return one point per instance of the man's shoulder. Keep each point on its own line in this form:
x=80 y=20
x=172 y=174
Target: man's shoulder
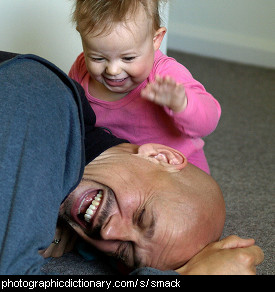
x=4 y=56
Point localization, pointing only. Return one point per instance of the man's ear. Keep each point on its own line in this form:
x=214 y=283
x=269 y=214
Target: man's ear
x=160 y=154
x=158 y=37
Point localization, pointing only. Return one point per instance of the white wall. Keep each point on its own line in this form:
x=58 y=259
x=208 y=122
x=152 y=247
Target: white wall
x=43 y=27
x=238 y=30
x=40 y=27
x=165 y=22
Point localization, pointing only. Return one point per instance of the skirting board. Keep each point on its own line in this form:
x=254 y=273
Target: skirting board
x=221 y=44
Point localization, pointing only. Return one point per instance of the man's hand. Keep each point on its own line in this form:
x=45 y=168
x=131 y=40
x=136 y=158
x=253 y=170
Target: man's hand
x=230 y=256
x=166 y=92
x=67 y=238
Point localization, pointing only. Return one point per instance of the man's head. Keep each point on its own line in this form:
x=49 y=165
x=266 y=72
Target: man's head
x=154 y=209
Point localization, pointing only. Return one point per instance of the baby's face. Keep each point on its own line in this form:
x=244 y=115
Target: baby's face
x=120 y=61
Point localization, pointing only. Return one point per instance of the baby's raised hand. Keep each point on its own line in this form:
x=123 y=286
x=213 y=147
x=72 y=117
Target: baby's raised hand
x=166 y=92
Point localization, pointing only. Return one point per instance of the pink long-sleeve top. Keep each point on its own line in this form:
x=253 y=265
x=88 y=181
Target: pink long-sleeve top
x=141 y=121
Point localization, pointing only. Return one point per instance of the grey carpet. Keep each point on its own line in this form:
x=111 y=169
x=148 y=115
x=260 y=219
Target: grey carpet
x=240 y=153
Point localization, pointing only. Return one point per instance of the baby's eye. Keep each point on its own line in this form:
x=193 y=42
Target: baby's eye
x=97 y=59
x=128 y=59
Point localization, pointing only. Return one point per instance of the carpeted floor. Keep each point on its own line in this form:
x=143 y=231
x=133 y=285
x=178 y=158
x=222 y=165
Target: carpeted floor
x=240 y=153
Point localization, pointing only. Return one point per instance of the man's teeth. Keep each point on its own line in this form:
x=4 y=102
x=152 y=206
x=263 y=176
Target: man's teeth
x=93 y=207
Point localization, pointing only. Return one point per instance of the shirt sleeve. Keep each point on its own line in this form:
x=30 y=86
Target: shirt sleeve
x=203 y=111
x=78 y=69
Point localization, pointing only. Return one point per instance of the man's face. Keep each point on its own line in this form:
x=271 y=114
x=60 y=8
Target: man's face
x=128 y=206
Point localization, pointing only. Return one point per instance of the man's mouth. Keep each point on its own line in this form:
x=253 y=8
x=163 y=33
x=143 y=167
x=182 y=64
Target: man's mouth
x=93 y=207
x=86 y=207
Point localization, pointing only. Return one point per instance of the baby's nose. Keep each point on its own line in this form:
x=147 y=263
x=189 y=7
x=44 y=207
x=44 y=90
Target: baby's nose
x=113 y=69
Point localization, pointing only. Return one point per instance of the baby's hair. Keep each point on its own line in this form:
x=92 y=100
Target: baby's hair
x=99 y=16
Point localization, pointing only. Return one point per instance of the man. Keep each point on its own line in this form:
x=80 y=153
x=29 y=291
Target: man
x=42 y=161
x=154 y=209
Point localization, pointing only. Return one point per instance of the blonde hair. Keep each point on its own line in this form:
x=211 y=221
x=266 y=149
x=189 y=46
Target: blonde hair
x=99 y=16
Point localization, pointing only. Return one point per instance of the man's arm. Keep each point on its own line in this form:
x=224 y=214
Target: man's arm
x=229 y=256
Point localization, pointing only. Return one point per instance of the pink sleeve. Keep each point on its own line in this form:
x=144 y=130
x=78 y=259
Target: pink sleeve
x=203 y=111
x=78 y=68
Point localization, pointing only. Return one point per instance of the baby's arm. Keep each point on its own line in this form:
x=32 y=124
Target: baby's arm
x=194 y=111
x=166 y=92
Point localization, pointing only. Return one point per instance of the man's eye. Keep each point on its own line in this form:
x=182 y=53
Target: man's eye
x=140 y=217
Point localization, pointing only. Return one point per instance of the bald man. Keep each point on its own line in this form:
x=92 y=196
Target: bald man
x=155 y=209
x=150 y=206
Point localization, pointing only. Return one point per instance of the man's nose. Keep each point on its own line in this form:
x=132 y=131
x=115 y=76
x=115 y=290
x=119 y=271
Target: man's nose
x=113 y=68
x=117 y=229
